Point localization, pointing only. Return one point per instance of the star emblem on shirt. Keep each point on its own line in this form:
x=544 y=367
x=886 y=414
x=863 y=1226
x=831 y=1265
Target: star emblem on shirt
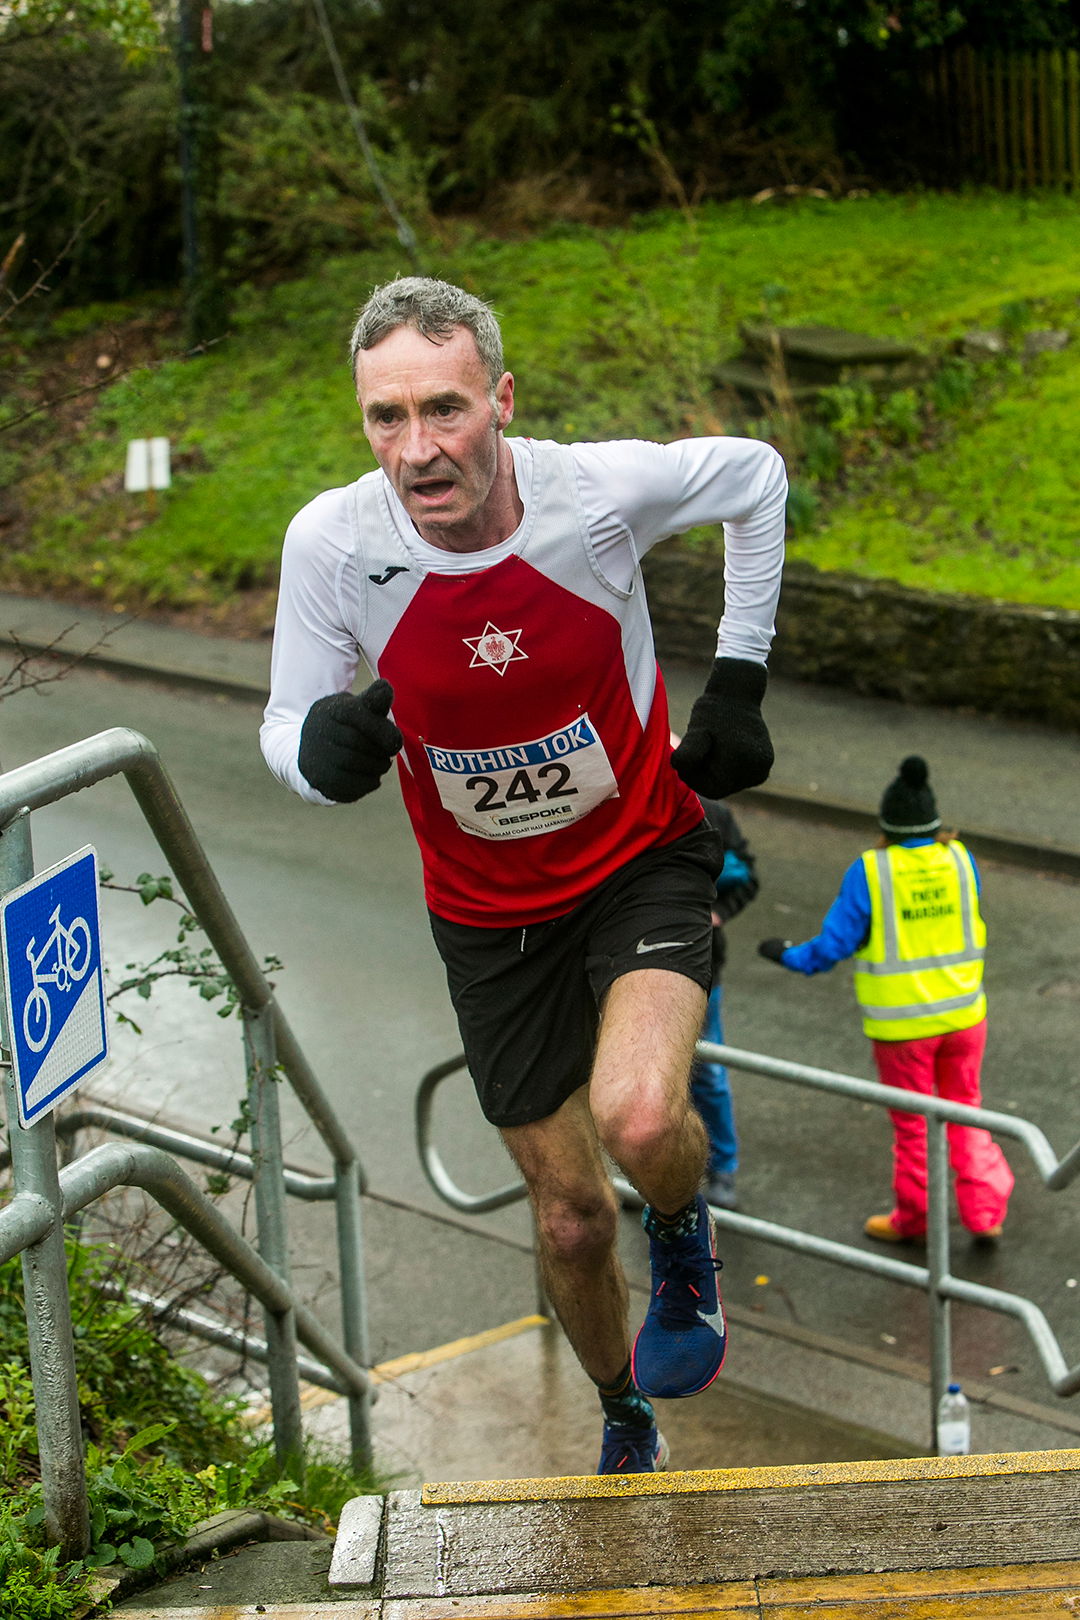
x=496 y=648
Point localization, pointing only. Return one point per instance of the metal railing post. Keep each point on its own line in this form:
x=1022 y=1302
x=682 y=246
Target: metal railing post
x=273 y=1238
x=937 y=1258
x=353 y=1303
x=271 y=1049
x=44 y=1268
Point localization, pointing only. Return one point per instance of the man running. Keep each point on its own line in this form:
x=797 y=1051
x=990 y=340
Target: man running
x=493 y=587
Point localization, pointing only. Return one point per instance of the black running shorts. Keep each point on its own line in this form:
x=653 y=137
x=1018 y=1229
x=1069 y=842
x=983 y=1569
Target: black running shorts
x=528 y=999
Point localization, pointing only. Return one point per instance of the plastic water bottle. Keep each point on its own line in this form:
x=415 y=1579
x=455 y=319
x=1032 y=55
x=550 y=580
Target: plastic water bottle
x=953 y=1423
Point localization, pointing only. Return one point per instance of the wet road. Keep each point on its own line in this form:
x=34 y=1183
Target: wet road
x=337 y=895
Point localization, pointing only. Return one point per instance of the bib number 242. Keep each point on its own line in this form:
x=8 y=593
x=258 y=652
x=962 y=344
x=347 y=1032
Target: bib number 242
x=522 y=789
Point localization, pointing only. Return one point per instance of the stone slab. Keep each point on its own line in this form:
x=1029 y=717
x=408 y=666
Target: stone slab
x=623 y=1603
x=937 y=1513
x=830 y=345
x=276 y=1574
x=356 y=1547
x=1001 y=1592
x=351 y=1609
x=743 y=377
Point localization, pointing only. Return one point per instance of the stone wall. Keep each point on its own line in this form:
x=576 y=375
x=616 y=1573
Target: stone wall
x=885 y=640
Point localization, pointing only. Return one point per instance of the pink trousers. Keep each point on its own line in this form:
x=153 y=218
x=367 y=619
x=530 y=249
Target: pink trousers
x=946 y=1066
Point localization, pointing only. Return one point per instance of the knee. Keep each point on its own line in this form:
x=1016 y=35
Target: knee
x=635 y=1129
x=576 y=1230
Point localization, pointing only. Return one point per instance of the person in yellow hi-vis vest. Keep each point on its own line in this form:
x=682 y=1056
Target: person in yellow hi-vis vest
x=908 y=912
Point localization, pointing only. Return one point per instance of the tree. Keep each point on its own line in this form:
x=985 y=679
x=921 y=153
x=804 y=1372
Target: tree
x=205 y=302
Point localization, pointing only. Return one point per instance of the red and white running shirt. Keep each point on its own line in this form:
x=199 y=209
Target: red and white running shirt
x=537 y=758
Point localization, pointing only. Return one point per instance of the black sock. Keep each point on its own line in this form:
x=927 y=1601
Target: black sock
x=623 y=1402
x=682 y=1224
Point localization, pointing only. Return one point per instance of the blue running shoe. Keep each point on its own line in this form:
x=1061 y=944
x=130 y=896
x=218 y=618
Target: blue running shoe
x=632 y=1451
x=682 y=1342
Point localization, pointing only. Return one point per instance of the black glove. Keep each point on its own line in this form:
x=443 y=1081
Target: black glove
x=726 y=746
x=773 y=949
x=347 y=744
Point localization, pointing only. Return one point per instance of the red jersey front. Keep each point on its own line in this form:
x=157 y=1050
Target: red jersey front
x=537 y=757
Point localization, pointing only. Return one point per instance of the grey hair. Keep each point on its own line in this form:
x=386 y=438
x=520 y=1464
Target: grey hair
x=435 y=309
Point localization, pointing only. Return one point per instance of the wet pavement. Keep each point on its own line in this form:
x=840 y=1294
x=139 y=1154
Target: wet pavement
x=337 y=895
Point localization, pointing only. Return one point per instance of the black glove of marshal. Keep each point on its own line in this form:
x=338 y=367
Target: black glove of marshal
x=347 y=744
x=726 y=745
x=773 y=949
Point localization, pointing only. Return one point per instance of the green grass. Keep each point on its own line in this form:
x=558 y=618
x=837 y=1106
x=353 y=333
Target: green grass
x=610 y=334
x=996 y=512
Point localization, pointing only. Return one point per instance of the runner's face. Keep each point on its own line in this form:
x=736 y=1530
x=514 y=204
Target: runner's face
x=434 y=426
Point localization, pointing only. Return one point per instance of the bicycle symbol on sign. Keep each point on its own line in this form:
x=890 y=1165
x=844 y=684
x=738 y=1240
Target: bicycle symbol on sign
x=68 y=966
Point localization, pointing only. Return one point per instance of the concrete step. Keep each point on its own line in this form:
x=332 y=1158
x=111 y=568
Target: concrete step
x=513 y=1403
x=759 y=1541
x=874 y=1537
x=999 y=1592
x=971 y=1538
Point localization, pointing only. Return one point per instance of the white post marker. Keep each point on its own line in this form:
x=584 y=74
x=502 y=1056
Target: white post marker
x=54 y=996
x=148 y=465
x=160 y=472
x=137 y=469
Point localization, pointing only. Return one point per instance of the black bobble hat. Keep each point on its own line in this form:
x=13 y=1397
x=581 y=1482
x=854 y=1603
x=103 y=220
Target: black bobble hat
x=907 y=805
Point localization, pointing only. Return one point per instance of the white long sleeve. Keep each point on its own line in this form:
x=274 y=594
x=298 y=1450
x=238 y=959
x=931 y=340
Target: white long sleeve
x=656 y=490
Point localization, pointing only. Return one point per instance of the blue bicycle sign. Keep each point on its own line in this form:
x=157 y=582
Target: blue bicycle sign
x=53 y=982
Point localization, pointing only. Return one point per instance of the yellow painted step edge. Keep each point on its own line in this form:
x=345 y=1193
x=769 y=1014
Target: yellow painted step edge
x=890 y=1470
x=416 y=1360
x=315 y=1395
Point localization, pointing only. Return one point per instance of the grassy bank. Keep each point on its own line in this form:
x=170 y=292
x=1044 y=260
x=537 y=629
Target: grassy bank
x=610 y=334
x=994 y=512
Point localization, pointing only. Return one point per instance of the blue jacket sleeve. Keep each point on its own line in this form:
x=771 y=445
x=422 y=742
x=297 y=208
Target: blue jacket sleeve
x=845 y=928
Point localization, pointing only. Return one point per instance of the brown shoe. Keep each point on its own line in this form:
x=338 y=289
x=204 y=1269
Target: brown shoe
x=881 y=1227
x=989 y=1234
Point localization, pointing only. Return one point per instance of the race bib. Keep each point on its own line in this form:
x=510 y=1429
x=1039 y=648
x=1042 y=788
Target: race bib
x=529 y=788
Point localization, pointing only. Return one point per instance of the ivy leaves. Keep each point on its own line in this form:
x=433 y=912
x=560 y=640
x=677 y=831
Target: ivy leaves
x=199 y=966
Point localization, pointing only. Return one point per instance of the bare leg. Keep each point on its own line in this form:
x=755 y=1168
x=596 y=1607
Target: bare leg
x=640 y=1088
x=576 y=1218
x=638 y=1105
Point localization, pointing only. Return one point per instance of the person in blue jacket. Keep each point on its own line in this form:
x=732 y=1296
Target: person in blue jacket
x=909 y=912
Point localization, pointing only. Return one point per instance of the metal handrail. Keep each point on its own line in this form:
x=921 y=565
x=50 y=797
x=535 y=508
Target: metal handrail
x=32 y=1222
x=934 y=1279
x=230 y=1161
x=122 y=751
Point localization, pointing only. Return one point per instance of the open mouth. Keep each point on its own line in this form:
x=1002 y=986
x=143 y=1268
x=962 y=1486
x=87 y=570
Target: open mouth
x=432 y=491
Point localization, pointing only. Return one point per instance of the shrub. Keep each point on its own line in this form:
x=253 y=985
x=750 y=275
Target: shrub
x=900 y=417
x=802 y=508
x=952 y=387
x=295 y=183
x=127 y=1377
x=33 y=1585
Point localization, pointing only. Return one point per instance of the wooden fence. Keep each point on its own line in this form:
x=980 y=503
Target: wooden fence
x=1006 y=121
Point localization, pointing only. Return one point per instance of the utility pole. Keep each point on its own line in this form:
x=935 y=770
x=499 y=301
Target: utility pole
x=205 y=302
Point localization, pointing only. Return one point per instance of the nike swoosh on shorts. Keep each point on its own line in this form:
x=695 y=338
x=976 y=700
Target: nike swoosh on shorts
x=662 y=945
